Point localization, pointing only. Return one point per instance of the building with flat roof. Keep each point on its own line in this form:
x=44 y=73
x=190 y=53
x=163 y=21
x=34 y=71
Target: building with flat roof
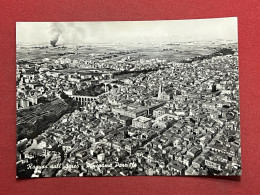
x=142 y=122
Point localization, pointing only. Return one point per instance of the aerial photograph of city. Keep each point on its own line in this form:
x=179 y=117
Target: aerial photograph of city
x=127 y=98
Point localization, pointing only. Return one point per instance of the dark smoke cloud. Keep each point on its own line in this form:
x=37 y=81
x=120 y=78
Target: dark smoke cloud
x=56 y=29
x=54 y=40
x=69 y=32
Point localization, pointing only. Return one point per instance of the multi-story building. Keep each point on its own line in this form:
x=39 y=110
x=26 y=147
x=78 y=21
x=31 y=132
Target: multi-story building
x=142 y=122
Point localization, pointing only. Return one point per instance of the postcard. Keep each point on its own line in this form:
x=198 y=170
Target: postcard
x=128 y=98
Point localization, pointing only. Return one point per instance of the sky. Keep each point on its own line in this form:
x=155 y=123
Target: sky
x=128 y=31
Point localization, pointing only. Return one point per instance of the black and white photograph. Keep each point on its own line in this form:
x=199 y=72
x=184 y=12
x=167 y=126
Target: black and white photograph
x=127 y=98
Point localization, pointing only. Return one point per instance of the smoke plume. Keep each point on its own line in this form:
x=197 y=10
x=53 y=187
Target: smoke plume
x=69 y=32
x=56 y=29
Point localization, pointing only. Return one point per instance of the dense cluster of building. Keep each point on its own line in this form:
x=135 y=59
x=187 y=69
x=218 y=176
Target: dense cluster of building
x=178 y=119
